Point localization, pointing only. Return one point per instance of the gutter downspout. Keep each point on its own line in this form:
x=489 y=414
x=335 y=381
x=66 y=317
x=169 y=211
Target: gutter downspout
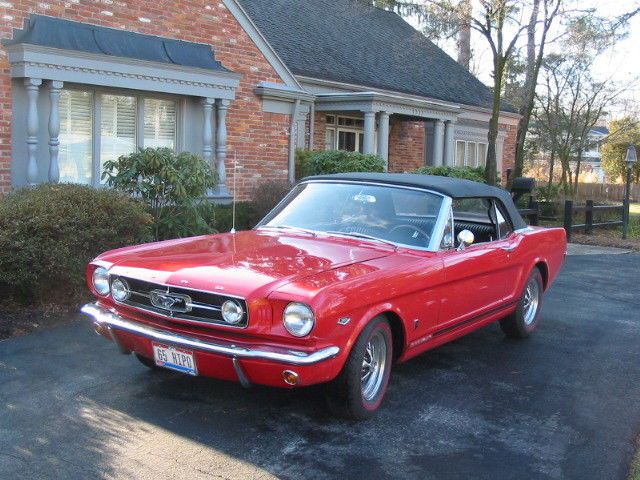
x=292 y=142
x=312 y=124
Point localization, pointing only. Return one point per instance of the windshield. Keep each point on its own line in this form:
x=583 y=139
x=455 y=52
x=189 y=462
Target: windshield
x=377 y=213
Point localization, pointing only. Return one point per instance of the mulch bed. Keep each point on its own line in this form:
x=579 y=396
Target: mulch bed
x=606 y=239
x=19 y=320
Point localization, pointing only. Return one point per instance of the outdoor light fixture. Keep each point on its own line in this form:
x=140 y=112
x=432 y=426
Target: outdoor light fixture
x=629 y=160
x=632 y=156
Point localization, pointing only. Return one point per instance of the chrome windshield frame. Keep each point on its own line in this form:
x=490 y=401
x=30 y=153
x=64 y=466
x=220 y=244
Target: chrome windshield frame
x=438 y=229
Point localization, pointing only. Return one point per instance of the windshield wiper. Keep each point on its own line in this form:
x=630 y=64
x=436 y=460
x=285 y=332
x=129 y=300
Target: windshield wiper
x=289 y=227
x=362 y=235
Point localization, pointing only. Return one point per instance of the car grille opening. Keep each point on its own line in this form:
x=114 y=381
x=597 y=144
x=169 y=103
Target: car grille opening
x=190 y=305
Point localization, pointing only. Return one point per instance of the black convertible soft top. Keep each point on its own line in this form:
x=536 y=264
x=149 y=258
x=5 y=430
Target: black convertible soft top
x=452 y=187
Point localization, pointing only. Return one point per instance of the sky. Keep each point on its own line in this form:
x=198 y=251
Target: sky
x=621 y=64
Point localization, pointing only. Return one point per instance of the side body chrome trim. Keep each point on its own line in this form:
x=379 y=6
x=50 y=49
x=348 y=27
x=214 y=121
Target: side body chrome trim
x=105 y=317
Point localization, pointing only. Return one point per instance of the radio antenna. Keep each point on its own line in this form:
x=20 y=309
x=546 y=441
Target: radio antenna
x=233 y=205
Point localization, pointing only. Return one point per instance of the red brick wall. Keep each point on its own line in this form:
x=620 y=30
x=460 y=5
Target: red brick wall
x=319 y=131
x=509 y=149
x=406 y=145
x=260 y=139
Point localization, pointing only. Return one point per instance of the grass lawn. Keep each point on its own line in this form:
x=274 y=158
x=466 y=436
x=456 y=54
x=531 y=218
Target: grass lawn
x=634 y=209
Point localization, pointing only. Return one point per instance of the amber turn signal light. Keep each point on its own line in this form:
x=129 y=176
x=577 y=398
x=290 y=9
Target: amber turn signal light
x=290 y=377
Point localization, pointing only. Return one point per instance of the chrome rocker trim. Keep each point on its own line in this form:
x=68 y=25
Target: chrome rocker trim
x=104 y=317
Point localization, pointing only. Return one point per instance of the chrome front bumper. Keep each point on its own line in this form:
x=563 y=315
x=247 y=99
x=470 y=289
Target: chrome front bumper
x=105 y=318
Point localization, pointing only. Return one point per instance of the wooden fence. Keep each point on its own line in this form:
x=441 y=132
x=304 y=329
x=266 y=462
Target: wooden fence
x=589 y=209
x=613 y=192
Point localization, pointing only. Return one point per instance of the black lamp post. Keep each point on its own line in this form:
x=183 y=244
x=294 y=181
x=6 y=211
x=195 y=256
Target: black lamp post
x=629 y=160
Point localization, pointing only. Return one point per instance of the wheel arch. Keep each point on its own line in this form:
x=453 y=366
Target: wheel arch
x=544 y=271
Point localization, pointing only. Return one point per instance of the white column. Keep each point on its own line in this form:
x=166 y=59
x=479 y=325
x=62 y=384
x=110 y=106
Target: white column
x=54 y=130
x=449 y=146
x=438 y=131
x=383 y=138
x=207 y=130
x=369 y=132
x=32 y=85
x=221 y=144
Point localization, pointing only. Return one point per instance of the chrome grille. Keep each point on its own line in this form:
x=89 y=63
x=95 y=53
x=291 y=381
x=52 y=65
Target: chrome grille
x=195 y=306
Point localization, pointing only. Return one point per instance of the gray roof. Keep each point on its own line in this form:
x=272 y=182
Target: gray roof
x=452 y=187
x=351 y=42
x=65 y=34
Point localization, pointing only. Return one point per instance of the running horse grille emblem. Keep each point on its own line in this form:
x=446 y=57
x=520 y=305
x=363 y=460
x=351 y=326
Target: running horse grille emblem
x=171 y=302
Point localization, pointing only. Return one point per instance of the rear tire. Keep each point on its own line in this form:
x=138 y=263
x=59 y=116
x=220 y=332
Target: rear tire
x=360 y=388
x=525 y=319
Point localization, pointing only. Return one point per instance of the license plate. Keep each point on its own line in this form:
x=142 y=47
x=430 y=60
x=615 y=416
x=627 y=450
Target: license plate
x=174 y=358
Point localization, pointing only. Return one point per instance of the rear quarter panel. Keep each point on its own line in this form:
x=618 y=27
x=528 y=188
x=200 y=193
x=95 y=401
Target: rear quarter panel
x=534 y=246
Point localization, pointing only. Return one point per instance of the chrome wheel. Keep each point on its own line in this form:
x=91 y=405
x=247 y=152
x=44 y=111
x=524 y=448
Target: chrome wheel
x=373 y=366
x=531 y=301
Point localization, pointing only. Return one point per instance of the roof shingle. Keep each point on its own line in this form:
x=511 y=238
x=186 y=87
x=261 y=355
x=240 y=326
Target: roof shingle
x=351 y=42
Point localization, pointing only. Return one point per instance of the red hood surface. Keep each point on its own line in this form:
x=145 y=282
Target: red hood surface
x=239 y=264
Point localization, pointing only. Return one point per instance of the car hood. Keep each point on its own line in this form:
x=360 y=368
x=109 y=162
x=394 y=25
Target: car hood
x=253 y=262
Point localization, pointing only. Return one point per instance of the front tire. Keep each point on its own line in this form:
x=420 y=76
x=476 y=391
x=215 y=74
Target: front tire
x=522 y=322
x=359 y=389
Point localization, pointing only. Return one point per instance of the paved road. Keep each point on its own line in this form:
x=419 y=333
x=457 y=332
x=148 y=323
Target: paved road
x=564 y=404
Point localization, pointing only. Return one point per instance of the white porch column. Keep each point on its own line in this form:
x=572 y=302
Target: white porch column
x=54 y=130
x=32 y=85
x=221 y=144
x=449 y=146
x=207 y=131
x=438 y=131
x=369 y=132
x=383 y=138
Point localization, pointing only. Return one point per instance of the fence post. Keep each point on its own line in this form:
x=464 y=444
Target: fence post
x=568 y=218
x=588 y=217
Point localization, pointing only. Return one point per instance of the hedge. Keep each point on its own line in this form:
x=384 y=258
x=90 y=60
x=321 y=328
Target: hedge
x=467 y=173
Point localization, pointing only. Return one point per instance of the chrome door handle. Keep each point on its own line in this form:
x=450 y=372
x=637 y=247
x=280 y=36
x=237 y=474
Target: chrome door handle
x=508 y=248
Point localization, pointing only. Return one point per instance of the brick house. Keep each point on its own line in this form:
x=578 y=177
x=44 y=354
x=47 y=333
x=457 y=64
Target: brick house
x=244 y=83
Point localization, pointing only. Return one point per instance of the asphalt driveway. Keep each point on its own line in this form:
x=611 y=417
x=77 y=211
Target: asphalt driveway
x=563 y=404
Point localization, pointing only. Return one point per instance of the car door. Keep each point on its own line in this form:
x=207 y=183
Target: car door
x=476 y=280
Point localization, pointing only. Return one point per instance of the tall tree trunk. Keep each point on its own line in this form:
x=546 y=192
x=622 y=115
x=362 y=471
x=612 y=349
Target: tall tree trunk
x=578 y=162
x=464 y=35
x=491 y=169
x=552 y=161
x=528 y=95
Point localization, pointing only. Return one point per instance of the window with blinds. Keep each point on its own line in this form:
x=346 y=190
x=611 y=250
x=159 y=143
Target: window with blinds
x=76 y=136
x=124 y=123
x=460 y=153
x=117 y=127
x=159 y=123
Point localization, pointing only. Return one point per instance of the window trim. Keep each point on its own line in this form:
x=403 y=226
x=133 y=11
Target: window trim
x=140 y=96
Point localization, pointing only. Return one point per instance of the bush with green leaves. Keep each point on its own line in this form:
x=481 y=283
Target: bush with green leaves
x=322 y=163
x=467 y=173
x=172 y=185
x=49 y=233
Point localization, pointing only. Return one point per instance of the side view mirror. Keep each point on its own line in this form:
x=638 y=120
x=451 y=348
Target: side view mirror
x=465 y=238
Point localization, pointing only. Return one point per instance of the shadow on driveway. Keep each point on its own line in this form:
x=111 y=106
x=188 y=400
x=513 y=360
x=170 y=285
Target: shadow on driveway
x=563 y=404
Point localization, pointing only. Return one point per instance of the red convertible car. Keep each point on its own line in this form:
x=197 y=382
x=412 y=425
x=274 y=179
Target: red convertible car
x=347 y=275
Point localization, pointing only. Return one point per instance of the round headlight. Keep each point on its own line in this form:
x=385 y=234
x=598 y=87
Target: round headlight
x=101 y=280
x=232 y=312
x=298 y=319
x=120 y=290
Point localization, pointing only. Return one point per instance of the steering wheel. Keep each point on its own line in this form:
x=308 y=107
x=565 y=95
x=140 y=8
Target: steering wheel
x=416 y=233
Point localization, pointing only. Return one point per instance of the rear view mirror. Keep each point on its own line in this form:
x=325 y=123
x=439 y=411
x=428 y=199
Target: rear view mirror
x=465 y=238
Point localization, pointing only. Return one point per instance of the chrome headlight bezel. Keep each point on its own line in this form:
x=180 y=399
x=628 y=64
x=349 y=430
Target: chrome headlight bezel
x=232 y=312
x=100 y=281
x=120 y=290
x=298 y=319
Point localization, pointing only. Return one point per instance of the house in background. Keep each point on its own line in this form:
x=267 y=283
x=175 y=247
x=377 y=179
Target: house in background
x=591 y=168
x=244 y=83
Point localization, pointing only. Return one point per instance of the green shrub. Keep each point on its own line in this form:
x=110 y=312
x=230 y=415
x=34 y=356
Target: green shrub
x=302 y=162
x=172 y=185
x=267 y=195
x=220 y=217
x=467 y=173
x=322 y=163
x=49 y=233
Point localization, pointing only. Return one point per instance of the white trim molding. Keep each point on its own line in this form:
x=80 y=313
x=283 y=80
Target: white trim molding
x=33 y=61
x=380 y=102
